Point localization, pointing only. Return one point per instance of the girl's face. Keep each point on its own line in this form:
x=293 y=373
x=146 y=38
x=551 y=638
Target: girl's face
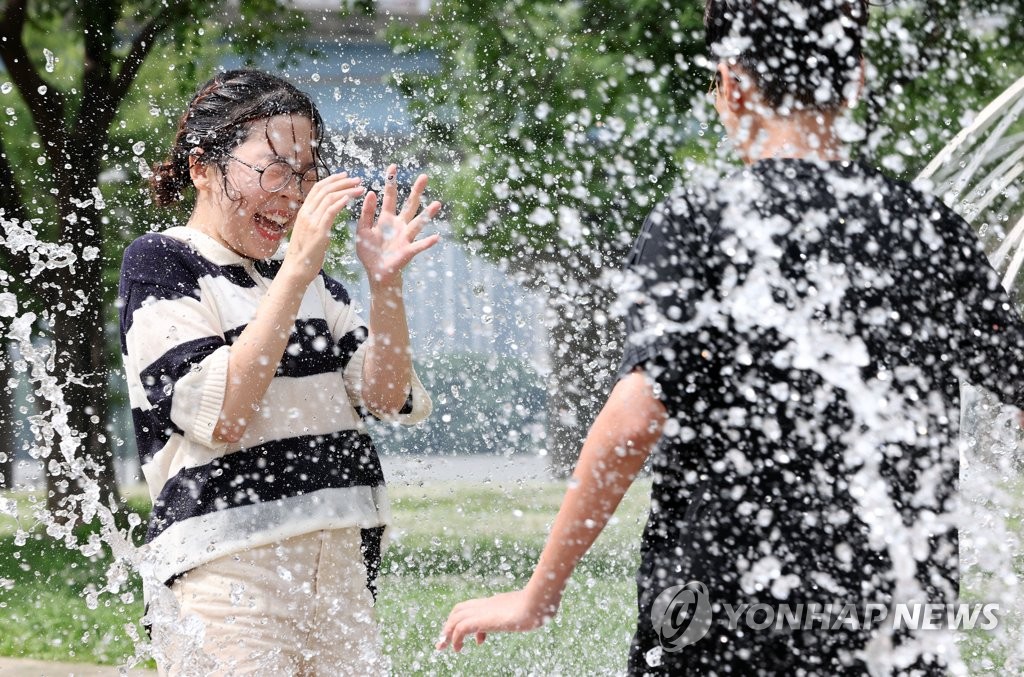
x=254 y=214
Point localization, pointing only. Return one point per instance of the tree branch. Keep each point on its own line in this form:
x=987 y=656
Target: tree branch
x=97 y=70
x=47 y=110
x=142 y=45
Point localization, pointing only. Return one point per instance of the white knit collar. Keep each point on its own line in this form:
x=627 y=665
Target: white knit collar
x=211 y=249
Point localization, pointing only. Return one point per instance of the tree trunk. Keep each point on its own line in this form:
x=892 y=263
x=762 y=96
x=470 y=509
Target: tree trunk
x=584 y=346
x=8 y=439
x=81 y=348
x=80 y=344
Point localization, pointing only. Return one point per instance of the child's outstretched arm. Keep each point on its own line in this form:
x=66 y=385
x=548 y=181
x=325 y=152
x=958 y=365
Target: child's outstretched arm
x=618 y=444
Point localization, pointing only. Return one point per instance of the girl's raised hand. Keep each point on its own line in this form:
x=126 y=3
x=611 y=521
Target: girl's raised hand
x=311 y=233
x=386 y=246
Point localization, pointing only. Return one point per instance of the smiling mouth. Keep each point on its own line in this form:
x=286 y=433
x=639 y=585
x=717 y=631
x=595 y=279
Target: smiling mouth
x=269 y=227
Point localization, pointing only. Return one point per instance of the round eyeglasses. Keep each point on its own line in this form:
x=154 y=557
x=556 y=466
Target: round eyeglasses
x=276 y=175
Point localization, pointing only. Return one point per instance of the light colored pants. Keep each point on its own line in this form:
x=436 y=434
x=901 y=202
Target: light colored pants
x=298 y=607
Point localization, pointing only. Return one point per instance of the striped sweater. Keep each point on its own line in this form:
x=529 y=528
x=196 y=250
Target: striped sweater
x=305 y=461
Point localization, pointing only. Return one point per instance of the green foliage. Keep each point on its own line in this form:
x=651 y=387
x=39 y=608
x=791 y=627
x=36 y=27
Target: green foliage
x=558 y=126
x=932 y=64
x=44 y=589
x=563 y=117
x=568 y=119
x=439 y=531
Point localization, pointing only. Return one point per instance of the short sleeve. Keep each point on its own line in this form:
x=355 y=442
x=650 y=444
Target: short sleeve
x=174 y=353
x=664 y=293
x=991 y=338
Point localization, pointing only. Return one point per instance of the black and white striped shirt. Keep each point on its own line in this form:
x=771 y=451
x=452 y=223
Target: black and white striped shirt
x=304 y=462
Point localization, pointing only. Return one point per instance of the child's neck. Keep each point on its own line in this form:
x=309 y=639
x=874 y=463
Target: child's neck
x=808 y=135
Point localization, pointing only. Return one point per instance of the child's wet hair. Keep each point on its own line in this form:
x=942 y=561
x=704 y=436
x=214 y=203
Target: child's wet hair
x=219 y=118
x=802 y=54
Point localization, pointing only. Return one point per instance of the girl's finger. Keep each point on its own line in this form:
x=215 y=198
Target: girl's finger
x=348 y=183
x=321 y=189
x=366 y=215
x=427 y=215
x=420 y=246
x=412 y=205
x=333 y=208
x=326 y=209
x=387 y=205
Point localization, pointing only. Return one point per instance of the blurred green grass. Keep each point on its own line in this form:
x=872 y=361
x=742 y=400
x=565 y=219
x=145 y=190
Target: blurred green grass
x=455 y=541
x=450 y=541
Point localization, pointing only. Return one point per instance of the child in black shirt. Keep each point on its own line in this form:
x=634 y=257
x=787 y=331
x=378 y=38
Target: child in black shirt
x=796 y=336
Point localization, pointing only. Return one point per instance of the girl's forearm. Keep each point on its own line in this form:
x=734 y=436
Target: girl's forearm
x=387 y=367
x=256 y=354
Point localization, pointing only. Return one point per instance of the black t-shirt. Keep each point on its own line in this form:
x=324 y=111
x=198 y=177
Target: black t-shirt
x=807 y=325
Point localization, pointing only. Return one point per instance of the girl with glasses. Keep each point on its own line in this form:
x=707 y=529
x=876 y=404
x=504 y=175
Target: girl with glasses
x=250 y=374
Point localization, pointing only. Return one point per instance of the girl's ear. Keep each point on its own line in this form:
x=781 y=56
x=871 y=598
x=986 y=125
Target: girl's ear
x=199 y=171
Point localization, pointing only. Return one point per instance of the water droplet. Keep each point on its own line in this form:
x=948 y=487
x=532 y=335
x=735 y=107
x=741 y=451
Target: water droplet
x=236 y=593
x=346 y=67
x=315 y=77
x=8 y=304
x=6 y=88
x=139 y=147
x=42 y=89
x=50 y=60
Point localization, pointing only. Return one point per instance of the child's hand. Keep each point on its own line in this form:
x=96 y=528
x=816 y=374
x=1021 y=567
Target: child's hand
x=508 y=612
x=386 y=246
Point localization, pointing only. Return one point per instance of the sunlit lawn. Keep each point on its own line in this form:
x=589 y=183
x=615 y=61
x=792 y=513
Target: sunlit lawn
x=451 y=541
x=495 y=535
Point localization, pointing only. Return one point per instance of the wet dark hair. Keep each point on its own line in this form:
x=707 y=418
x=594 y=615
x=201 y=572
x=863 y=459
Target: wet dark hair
x=219 y=118
x=802 y=54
